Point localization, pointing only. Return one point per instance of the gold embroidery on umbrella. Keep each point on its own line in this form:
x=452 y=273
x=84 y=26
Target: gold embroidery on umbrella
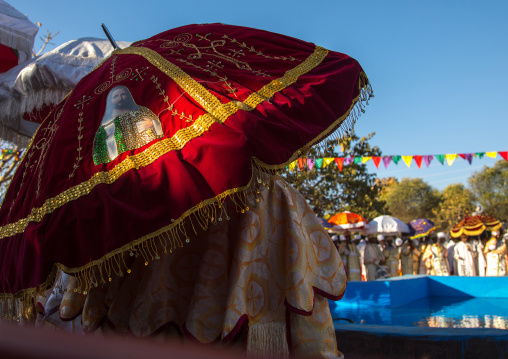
x=79 y=157
x=229 y=85
x=259 y=53
x=170 y=108
x=124 y=74
x=217 y=112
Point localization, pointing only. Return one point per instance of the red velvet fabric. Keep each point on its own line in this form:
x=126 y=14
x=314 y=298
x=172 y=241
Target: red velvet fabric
x=8 y=58
x=144 y=200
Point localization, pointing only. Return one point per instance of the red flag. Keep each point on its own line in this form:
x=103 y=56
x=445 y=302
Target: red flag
x=418 y=160
x=462 y=155
x=339 y=161
x=376 y=160
x=504 y=154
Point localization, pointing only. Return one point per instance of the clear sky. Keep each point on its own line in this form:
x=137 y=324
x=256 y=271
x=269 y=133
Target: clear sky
x=438 y=68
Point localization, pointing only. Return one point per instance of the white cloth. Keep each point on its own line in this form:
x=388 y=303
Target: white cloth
x=465 y=255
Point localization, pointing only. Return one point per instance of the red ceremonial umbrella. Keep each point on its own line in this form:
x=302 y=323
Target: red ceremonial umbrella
x=151 y=144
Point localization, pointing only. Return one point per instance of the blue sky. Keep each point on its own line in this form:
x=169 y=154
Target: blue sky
x=438 y=68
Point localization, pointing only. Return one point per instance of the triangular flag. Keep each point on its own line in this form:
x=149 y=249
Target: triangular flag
x=301 y=163
x=310 y=163
x=504 y=154
x=491 y=154
x=440 y=158
x=479 y=154
x=387 y=160
x=407 y=160
x=327 y=161
x=463 y=155
x=428 y=159
x=365 y=159
x=339 y=161
x=396 y=159
x=450 y=157
x=357 y=160
x=319 y=162
x=292 y=165
x=348 y=161
x=468 y=157
x=376 y=161
x=418 y=160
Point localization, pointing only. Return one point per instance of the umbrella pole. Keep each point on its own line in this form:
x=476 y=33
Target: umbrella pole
x=110 y=38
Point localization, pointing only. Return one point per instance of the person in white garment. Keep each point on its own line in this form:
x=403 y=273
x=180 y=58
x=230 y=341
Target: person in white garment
x=495 y=253
x=343 y=249
x=382 y=268
x=354 y=269
x=450 y=245
x=465 y=254
x=361 y=243
x=373 y=257
x=438 y=257
x=393 y=258
x=481 y=261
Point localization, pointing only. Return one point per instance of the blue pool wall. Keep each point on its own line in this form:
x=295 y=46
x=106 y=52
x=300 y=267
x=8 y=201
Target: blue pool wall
x=398 y=291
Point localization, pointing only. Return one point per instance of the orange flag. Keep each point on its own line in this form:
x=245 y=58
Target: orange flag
x=301 y=163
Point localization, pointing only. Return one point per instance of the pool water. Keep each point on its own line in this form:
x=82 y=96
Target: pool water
x=436 y=312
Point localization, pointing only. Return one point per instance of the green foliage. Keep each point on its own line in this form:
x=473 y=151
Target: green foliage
x=411 y=199
x=490 y=188
x=456 y=202
x=329 y=191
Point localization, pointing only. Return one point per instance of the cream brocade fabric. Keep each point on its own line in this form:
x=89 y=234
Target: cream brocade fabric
x=240 y=271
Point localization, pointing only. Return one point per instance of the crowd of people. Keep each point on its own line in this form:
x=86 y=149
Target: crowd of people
x=374 y=257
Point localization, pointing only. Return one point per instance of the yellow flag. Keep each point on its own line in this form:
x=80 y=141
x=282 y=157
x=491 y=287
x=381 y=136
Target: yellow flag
x=366 y=159
x=292 y=165
x=450 y=158
x=407 y=160
x=327 y=161
x=491 y=154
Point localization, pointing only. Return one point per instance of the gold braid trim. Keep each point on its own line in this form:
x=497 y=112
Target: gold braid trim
x=19 y=306
x=219 y=112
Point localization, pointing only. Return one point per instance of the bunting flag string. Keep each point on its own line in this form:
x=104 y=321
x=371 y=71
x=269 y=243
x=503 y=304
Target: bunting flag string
x=449 y=158
x=4 y=153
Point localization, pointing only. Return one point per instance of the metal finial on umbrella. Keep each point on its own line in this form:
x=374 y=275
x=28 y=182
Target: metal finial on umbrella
x=110 y=38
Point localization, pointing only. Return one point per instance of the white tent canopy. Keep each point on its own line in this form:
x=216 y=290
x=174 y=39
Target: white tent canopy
x=16 y=31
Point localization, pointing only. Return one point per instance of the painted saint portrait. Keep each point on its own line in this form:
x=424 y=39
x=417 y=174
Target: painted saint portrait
x=125 y=126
